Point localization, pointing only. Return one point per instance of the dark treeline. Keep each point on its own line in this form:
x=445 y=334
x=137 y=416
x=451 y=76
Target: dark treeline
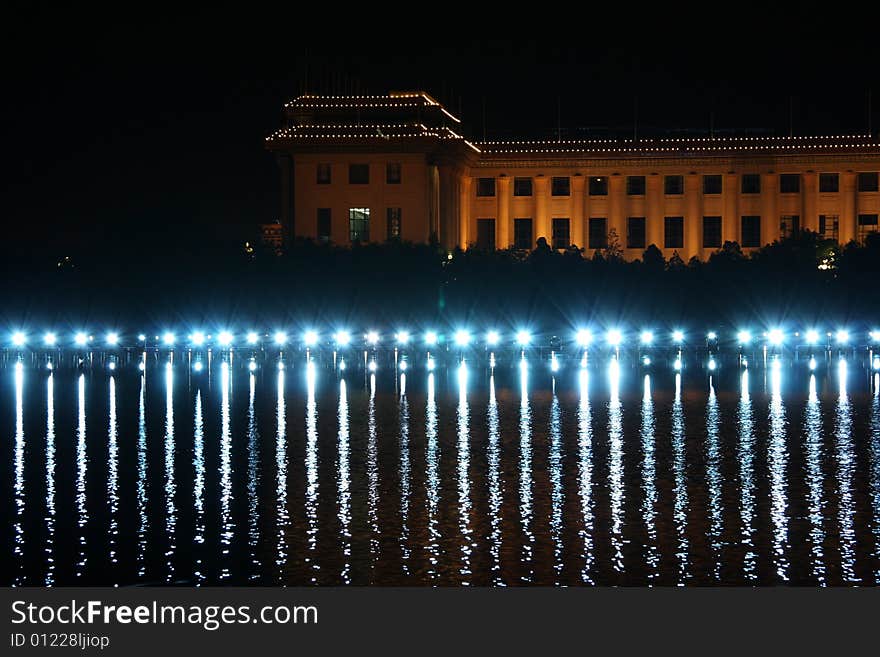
x=164 y=283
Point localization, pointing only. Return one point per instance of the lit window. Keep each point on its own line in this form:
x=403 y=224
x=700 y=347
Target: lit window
x=393 y=217
x=829 y=226
x=359 y=224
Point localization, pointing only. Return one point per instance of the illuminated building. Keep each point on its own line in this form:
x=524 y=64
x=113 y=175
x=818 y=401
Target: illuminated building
x=377 y=168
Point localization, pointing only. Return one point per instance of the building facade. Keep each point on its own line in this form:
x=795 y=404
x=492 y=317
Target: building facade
x=377 y=168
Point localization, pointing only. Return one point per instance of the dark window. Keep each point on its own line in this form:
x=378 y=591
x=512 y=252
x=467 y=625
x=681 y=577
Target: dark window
x=324 y=174
x=635 y=232
x=359 y=224
x=789 y=224
x=673 y=185
x=561 y=236
x=829 y=226
x=485 y=234
x=712 y=184
x=751 y=231
x=829 y=183
x=393 y=225
x=392 y=173
x=751 y=183
x=673 y=237
x=598 y=186
x=485 y=187
x=789 y=183
x=522 y=186
x=711 y=232
x=560 y=186
x=598 y=238
x=867 y=225
x=522 y=233
x=358 y=174
x=635 y=185
x=868 y=181
x=324 y=225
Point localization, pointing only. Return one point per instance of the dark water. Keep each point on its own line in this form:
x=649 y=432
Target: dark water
x=445 y=478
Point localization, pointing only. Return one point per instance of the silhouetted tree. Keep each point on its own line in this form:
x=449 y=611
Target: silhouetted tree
x=653 y=259
x=613 y=250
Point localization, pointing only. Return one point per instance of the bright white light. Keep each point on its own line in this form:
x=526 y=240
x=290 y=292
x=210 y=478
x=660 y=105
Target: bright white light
x=712 y=365
x=842 y=336
x=430 y=338
x=677 y=364
x=877 y=362
x=50 y=367
x=875 y=336
x=646 y=360
x=430 y=364
x=646 y=337
x=198 y=338
x=112 y=365
x=462 y=338
x=141 y=337
x=81 y=339
x=341 y=364
x=745 y=362
x=402 y=337
x=198 y=366
x=554 y=364
x=280 y=337
x=280 y=365
x=812 y=364
x=776 y=336
x=112 y=338
x=402 y=366
x=141 y=366
x=777 y=364
x=224 y=338
x=342 y=338
x=252 y=366
x=373 y=337
x=523 y=338
x=711 y=335
x=583 y=337
x=252 y=337
x=372 y=366
x=19 y=366
x=493 y=338
x=50 y=339
x=614 y=337
x=744 y=337
x=18 y=339
x=812 y=336
x=310 y=338
x=678 y=336
x=168 y=339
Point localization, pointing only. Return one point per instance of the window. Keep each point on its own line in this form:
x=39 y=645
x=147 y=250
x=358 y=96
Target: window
x=393 y=224
x=789 y=224
x=829 y=226
x=751 y=183
x=323 y=225
x=673 y=237
x=789 y=183
x=598 y=237
x=485 y=187
x=635 y=232
x=560 y=233
x=868 y=182
x=522 y=186
x=392 y=173
x=711 y=232
x=673 y=185
x=867 y=225
x=358 y=174
x=829 y=183
x=635 y=185
x=323 y=174
x=522 y=233
x=560 y=186
x=751 y=231
x=359 y=224
x=712 y=184
x=598 y=186
x=485 y=234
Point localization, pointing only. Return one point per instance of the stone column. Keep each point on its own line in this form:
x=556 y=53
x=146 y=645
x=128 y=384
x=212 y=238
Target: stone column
x=848 y=207
x=503 y=237
x=730 y=215
x=464 y=222
x=810 y=201
x=542 y=218
x=577 y=210
x=693 y=216
x=769 y=212
x=654 y=211
x=616 y=198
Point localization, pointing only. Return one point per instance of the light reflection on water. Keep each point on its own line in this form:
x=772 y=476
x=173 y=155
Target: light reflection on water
x=457 y=476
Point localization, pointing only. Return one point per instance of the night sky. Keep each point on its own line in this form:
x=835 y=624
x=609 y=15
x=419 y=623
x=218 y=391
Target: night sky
x=151 y=128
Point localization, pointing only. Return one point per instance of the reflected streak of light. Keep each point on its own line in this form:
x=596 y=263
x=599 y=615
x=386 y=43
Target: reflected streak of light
x=373 y=474
x=344 y=484
x=432 y=479
x=496 y=493
x=81 y=474
x=142 y=482
x=253 y=482
x=170 y=482
x=846 y=460
x=50 y=481
x=227 y=526
x=18 y=486
x=713 y=476
x=875 y=472
x=680 y=494
x=199 y=486
x=405 y=476
x=746 y=457
x=815 y=502
x=556 y=490
x=525 y=473
x=777 y=461
x=464 y=498
x=585 y=473
x=615 y=466
x=282 y=516
x=649 y=481
x=113 y=472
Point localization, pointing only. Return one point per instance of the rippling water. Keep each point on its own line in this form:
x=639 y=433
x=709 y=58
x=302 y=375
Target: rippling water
x=453 y=477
